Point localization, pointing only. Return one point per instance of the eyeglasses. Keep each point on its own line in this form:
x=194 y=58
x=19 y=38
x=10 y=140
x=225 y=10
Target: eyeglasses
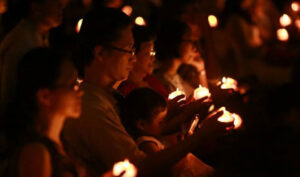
x=131 y=52
x=74 y=86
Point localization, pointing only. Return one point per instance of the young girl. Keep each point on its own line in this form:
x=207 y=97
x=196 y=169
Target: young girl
x=144 y=116
x=47 y=94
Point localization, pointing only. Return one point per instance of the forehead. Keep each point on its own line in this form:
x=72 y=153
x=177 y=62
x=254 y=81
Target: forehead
x=67 y=72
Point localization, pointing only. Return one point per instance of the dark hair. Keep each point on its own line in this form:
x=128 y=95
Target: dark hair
x=169 y=38
x=101 y=26
x=141 y=104
x=142 y=34
x=39 y=68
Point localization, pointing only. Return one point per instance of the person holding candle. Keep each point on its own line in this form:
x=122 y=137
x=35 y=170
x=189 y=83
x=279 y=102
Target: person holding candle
x=100 y=139
x=174 y=47
x=141 y=74
x=47 y=94
x=145 y=116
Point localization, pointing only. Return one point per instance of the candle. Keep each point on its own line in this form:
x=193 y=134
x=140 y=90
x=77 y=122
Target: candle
x=212 y=21
x=297 y=23
x=193 y=126
x=285 y=20
x=201 y=92
x=125 y=167
x=127 y=10
x=78 y=26
x=176 y=94
x=140 y=21
x=230 y=117
x=295 y=6
x=228 y=83
x=282 y=34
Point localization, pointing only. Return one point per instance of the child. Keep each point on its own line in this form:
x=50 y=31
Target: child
x=144 y=116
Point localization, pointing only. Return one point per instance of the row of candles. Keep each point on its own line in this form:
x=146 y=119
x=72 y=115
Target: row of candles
x=201 y=92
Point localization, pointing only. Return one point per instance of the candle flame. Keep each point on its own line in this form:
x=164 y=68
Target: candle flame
x=176 y=94
x=213 y=21
x=295 y=6
x=201 y=92
x=127 y=10
x=285 y=20
x=282 y=34
x=230 y=117
x=228 y=83
x=140 y=21
x=78 y=26
x=124 y=166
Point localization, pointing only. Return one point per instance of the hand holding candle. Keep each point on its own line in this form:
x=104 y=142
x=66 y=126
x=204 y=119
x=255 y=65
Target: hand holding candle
x=201 y=92
x=228 y=83
x=124 y=169
x=176 y=94
x=230 y=117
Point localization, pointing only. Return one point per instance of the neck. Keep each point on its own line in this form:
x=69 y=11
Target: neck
x=51 y=129
x=172 y=66
x=96 y=77
x=137 y=77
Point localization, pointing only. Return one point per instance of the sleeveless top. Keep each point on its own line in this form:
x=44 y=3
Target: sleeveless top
x=61 y=165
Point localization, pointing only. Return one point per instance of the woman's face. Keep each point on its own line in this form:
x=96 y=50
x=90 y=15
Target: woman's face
x=66 y=97
x=145 y=58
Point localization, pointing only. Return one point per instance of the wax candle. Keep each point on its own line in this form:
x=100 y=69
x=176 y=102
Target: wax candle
x=176 y=94
x=201 y=92
x=212 y=21
x=125 y=167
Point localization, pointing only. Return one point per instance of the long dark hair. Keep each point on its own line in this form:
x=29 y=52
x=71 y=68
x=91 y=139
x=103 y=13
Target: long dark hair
x=39 y=68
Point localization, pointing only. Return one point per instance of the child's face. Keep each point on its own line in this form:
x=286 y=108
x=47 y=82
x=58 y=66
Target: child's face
x=155 y=126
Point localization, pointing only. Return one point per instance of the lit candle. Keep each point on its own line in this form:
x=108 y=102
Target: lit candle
x=295 y=6
x=78 y=26
x=282 y=34
x=230 y=117
x=140 y=21
x=285 y=20
x=213 y=21
x=127 y=10
x=125 y=167
x=297 y=23
x=201 y=92
x=228 y=83
x=176 y=94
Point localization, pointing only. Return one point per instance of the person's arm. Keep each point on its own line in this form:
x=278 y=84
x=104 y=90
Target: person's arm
x=35 y=161
x=149 y=147
x=211 y=129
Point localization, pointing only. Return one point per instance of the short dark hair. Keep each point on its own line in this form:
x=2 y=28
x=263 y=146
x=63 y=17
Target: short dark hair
x=169 y=38
x=101 y=26
x=141 y=104
x=142 y=34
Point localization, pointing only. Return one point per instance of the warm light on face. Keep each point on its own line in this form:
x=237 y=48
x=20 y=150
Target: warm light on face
x=78 y=26
x=228 y=83
x=295 y=6
x=176 y=94
x=125 y=166
x=140 y=21
x=127 y=10
x=201 y=92
x=213 y=21
x=285 y=20
x=282 y=35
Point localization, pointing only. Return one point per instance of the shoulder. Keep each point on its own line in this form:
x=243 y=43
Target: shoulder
x=35 y=160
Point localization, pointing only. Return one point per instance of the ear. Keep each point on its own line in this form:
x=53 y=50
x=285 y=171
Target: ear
x=140 y=124
x=98 y=52
x=43 y=96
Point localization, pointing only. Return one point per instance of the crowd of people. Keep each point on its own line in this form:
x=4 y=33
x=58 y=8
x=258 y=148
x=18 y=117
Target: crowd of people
x=77 y=98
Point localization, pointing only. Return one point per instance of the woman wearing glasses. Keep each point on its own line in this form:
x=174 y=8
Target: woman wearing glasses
x=141 y=74
x=47 y=94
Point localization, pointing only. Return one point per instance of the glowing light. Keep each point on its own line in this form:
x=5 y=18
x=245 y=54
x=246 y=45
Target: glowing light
x=285 y=20
x=228 y=83
x=78 y=26
x=176 y=94
x=140 y=21
x=127 y=10
x=201 y=92
x=297 y=23
x=125 y=167
x=230 y=117
x=213 y=21
x=282 y=35
x=295 y=6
